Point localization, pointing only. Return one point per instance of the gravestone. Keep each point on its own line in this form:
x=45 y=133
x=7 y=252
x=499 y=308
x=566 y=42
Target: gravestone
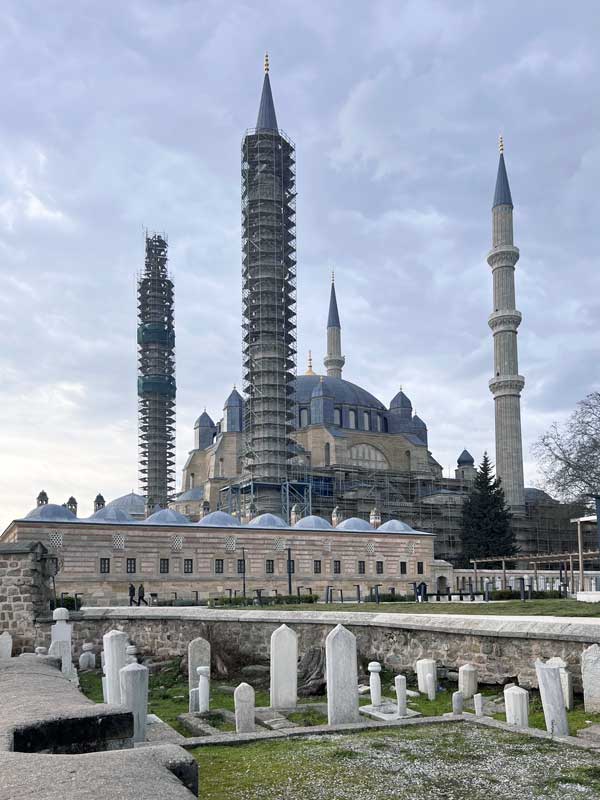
x=457 y=702
x=478 y=704
x=553 y=701
x=424 y=667
x=467 y=680
x=87 y=660
x=243 y=698
x=6 y=645
x=131 y=653
x=516 y=702
x=133 y=682
x=342 y=676
x=431 y=688
x=590 y=675
x=62 y=630
x=400 y=686
x=115 y=658
x=200 y=696
x=198 y=656
x=311 y=672
x=284 y=668
x=60 y=649
x=566 y=680
x=375 y=682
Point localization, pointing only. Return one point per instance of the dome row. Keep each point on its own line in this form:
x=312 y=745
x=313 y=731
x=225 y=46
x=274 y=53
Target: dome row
x=216 y=519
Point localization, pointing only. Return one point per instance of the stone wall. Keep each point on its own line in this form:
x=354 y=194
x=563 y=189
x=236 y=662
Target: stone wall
x=502 y=648
x=25 y=591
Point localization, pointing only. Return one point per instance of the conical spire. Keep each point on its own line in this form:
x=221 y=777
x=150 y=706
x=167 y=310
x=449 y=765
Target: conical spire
x=502 y=196
x=333 y=320
x=267 y=119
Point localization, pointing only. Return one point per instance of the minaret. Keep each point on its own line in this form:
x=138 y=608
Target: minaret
x=269 y=296
x=334 y=360
x=506 y=385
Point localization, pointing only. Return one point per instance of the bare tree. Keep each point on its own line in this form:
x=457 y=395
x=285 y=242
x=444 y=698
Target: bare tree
x=569 y=454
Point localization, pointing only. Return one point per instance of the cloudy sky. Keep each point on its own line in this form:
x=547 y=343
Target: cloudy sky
x=128 y=114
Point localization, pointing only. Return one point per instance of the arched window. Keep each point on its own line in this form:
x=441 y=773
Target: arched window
x=220 y=468
x=303 y=417
x=191 y=481
x=337 y=416
x=366 y=421
x=327 y=454
x=352 y=419
x=379 y=423
x=367 y=456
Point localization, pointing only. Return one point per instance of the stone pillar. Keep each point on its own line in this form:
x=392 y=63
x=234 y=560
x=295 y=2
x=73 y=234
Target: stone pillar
x=6 y=645
x=375 y=682
x=87 y=659
x=478 y=704
x=590 y=676
x=243 y=698
x=284 y=668
x=400 y=686
x=133 y=683
x=342 y=676
x=457 y=702
x=431 y=686
x=203 y=689
x=424 y=667
x=566 y=680
x=115 y=658
x=552 y=699
x=198 y=656
x=467 y=680
x=61 y=631
x=516 y=702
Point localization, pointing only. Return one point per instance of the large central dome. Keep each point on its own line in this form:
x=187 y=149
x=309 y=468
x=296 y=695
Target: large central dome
x=343 y=392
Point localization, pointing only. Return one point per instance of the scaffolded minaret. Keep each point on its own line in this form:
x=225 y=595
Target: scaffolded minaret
x=269 y=294
x=334 y=360
x=156 y=376
x=507 y=384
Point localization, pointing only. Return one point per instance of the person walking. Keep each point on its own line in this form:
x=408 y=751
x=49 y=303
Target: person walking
x=132 y=595
x=141 y=593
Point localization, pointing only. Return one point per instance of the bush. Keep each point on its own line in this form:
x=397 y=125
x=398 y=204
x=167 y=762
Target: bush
x=68 y=602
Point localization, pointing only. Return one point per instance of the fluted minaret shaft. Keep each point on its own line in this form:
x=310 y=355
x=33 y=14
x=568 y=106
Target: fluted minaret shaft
x=507 y=384
x=334 y=360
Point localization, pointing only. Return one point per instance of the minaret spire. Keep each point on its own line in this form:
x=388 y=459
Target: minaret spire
x=267 y=119
x=334 y=360
x=507 y=384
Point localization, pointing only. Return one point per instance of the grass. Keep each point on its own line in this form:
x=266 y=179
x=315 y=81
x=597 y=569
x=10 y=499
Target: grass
x=578 y=718
x=308 y=717
x=516 y=608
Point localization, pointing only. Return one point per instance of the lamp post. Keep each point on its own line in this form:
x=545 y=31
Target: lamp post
x=289 y=570
x=243 y=571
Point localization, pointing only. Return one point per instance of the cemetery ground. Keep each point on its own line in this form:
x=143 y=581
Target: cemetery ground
x=448 y=761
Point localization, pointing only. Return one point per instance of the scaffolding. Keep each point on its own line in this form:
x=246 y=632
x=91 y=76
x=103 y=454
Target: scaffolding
x=156 y=376
x=269 y=308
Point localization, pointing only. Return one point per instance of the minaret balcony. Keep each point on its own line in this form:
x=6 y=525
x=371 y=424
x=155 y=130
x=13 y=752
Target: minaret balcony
x=503 y=321
x=506 y=385
x=505 y=255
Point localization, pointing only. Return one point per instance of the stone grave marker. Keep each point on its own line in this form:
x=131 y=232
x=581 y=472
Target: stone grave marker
x=553 y=700
x=87 y=660
x=133 y=681
x=431 y=688
x=590 y=675
x=467 y=680
x=457 y=702
x=342 y=676
x=198 y=656
x=375 y=682
x=6 y=645
x=243 y=698
x=424 y=667
x=62 y=630
x=400 y=686
x=516 y=701
x=115 y=658
x=478 y=704
x=284 y=668
x=566 y=680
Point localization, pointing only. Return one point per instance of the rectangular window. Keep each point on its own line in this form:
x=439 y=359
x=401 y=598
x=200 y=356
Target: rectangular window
x=403 y=568
x=361 y=568
x=366 y=421
x=270 y=566
x=337 y=567
x=130 y=566
x=317 y=567
x=188 y=565
x=291 y=566
x=380 y=567
x=419 y=567
x=219 y=566
x=241 y=566
x=163 y=566
x=105 y=566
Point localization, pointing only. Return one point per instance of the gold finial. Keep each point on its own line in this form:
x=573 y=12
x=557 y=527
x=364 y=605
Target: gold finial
x=332 y=276
x=309 y=371
x=267 y=63
x=500 y=144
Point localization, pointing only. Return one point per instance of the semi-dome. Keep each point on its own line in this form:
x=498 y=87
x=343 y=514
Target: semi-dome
x=343 y=392
x=167 y=516
x=267 y=521
x=52 y=512
x=191 y=495
x=355 y=524
x=314 y=523
x=132 y=503
x=219 y=519
x=108 y=514
x=395 y=526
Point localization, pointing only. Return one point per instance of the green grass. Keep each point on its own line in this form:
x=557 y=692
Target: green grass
x=308 y=717
x=544 y=608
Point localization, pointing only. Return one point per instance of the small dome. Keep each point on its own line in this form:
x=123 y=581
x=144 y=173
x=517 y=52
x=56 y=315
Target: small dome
x=131 y=503
x=395 y=526
x=108 y=514
x=166 y=516
x=219 y=519
x=401 y=401
x=355 y=524
x=204 y=421
x=267 y=521
x=234 y=399
x=52 y=511
x=195 y=494
x=314 y=523
x=99 y=499
x=465 y=459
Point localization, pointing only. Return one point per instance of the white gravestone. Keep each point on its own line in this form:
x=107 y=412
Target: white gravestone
x=6 y=645
x=566 y=680
x=133 y=681
x=342 y=676
x=243 y=698
x=198 y=656
x=400 y=686
x=553 y=701
x=104 y=690
x=457 y=702
x=424 y=667
x=430 y=686
x=132 y=654
x=87 y=660
x=467 y=680
x=375 y=682
x=284 y=668
x=516 y=702
x=590 y=675
x=62 y=630
x=115 y=658
x=478 y=704
x=200 y=697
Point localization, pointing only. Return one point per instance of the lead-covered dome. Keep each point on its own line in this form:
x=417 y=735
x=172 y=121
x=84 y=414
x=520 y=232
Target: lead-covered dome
x=108 y=514
x=52 y=512
x=218 y=519
x=132 y=503
x=167 y=516
x=395 y=526
x=314 y=523
x=343 y=392
x=355 y=524
x=267 y=521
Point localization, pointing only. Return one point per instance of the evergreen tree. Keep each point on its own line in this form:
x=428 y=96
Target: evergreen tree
x=486 y=521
